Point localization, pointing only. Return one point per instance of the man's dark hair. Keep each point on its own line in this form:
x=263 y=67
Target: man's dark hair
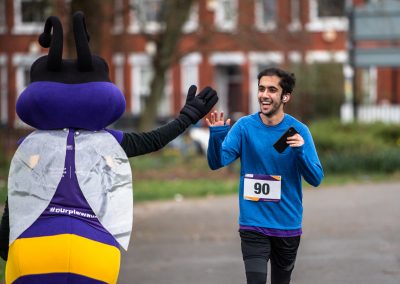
x=287 y=81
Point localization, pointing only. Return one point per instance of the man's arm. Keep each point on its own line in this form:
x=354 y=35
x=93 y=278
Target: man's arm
x=308 y=161
x=214 y=150
x=223 y=148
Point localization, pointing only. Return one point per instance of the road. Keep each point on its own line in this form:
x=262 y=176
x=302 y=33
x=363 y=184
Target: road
x=351 y=235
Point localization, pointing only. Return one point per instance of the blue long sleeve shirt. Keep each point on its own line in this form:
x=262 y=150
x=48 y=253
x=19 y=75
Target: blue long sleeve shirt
x=252 y=141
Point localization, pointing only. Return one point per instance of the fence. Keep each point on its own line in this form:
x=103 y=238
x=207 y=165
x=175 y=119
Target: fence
x=371 y=113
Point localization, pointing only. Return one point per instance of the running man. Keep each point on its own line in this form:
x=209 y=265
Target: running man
x=270 y=192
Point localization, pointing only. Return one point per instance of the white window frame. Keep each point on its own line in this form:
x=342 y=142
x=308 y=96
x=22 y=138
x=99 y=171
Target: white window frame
x=3 y=90
x=255 y=58
x=189 y=66
x=323 y=56
x=295 y=57
x=270 y=25
x=219 y=15
x=21 y=27
x=322 y=24
x=138 y=61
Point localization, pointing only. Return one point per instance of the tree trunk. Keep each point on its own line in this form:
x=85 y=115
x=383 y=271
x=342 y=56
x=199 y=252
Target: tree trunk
x=94 y=19
x=175 y=15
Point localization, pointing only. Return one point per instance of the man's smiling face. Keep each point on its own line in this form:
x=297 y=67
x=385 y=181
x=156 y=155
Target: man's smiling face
x=270 y=95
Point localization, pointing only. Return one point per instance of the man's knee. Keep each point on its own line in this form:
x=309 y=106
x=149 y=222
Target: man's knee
x=256 y=278
x=256 y=270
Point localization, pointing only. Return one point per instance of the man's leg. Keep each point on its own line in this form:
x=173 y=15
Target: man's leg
x=283 y=257
x=256 y=249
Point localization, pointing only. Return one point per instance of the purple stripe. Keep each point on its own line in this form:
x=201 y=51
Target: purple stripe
x=273 y=232
x=261 y=177
x=118 y=134
x=59 y=278
x=269 y=200
x=50 y=226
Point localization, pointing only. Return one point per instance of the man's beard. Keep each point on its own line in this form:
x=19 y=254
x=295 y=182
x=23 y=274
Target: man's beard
x=274 y=108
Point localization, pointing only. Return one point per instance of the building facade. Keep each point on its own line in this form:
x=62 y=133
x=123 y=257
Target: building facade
x=225 y=44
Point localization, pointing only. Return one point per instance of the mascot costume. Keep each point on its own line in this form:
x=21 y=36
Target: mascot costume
x=70 y=205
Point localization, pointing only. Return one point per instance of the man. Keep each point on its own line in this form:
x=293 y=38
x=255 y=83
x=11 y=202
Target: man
x=270 y=192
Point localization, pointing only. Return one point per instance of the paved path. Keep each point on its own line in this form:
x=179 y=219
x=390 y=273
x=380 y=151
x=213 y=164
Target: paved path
x=351 y=236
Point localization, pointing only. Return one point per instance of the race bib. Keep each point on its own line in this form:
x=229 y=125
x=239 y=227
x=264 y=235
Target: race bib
x=262 y=187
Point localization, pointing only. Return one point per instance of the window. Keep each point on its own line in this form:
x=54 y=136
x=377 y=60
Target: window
x=142 y=75
x=146 y=15
x=118 y=61
x=326 y=15
x=226 y=14
x=29 y=15
x=118 y=16
x=192 y=22
x=189 y=73
x=22 y=64
x=145 y=74
x=295 y=15
x=3 y=25
x=149 y=11
x=328 y=8
x=3 y=90
x=266 y=14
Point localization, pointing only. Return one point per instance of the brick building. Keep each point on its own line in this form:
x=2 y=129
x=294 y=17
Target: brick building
x=225 y=44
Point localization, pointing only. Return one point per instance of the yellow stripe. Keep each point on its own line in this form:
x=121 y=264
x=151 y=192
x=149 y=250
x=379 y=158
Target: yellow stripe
x=251 y=198
x=277 y=177
x=64 y=253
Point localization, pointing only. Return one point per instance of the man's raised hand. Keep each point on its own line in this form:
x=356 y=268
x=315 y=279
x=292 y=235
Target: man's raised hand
x=217 y=119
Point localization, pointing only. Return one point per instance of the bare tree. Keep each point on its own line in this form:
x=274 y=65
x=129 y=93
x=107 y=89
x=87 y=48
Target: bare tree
x=173 y=16
x=94 y=18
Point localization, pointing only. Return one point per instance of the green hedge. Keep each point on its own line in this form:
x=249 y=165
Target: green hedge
x=357 y=148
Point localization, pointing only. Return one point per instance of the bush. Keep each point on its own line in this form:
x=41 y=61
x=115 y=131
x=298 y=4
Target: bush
x=319 y=91
x=357 y=148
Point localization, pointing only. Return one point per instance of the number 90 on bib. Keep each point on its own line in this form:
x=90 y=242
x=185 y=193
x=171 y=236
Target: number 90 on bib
x=262 y=187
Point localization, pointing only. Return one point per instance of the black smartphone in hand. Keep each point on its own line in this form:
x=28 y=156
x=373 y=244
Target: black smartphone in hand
x=282 y=144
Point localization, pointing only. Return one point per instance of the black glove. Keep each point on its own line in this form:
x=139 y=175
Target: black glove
x=196 y=107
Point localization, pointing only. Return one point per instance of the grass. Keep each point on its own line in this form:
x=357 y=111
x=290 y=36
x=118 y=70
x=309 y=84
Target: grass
x=359 y=178
x=178 y=189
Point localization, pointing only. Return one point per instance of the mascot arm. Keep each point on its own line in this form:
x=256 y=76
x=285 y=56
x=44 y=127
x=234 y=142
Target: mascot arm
x=136 y=144
x=195 y=108
x=4 y=233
